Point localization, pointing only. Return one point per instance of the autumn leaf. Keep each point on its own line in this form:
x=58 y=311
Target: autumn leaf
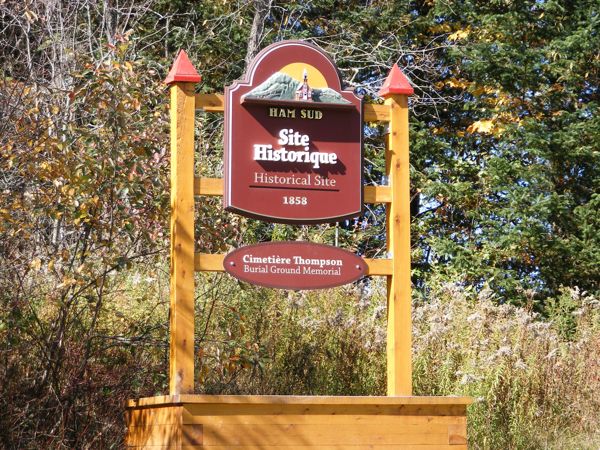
x=36 y=264
x=481 y=126
x=456 y=83
x=457 y=35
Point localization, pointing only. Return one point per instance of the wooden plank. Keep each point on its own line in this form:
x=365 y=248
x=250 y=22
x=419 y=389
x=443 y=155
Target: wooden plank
x=213 y=418
x=210 y=102
x=322 y=410
x=192 y=434
x=399 y=325
x=181 y=361
x=457 y=434
x=376 y=113
x=206 y=262
x=317 y=400
x=377 y=194
x=216 y=103
x=214 y=187
x=285 y=422
x=290 y=434
x=325 y=447
x=170 y=436
x=161 y=415
x=379 y=266
x=208 y=186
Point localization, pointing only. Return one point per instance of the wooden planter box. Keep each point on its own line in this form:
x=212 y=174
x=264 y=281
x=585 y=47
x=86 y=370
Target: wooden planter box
x=293 y=423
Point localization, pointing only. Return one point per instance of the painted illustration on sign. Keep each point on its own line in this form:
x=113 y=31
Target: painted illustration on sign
x=293 y=139
x=282 y=86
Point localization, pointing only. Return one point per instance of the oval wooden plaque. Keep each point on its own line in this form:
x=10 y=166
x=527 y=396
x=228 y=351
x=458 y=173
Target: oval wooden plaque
x=294 y=265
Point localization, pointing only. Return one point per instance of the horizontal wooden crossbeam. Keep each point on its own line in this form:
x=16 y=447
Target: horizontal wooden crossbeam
x=205 y=262
x=214 y=187
x=215 y=103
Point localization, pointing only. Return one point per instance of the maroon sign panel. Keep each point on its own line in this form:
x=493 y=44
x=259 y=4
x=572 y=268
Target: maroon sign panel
x=293 y=139
x=294 y=265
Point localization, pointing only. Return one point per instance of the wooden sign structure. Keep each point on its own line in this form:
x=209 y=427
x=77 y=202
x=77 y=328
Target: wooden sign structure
x=184 y=420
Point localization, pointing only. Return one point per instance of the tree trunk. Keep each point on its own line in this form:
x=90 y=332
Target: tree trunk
x=261 y=11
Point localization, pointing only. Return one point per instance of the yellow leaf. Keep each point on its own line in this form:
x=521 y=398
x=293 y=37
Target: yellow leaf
x=442 y=28
x=454 y=83
x=67 y=281
x=481 y=126
x=36 y=264
x=460 y=34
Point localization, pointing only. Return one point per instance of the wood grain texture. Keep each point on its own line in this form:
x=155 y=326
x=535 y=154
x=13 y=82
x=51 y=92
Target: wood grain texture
x=224 y=415
x=161 y=426
x=321 y=400
x=377 y=194
x=206 y=262
x=457 y=434
x=379 y=266
x=323 y=434
x=165 y=436
x=326 y=447
x=181 y=361
x=150 y=416
x=208 y=186
x=322 y=410
x=376 y=113
x=297 y=422
x=210 y=102
x=399 y=325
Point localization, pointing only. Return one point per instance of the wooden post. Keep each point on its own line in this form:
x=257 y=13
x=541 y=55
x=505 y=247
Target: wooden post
x=396 y=90
x=182 y=79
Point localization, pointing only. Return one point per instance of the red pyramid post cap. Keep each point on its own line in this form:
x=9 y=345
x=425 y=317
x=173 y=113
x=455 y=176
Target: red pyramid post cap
x=182 y=70
x=396 y=83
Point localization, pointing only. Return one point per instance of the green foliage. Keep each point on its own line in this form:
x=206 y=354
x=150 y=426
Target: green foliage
x=81 y=202
x=511 y=165
x=504 y=154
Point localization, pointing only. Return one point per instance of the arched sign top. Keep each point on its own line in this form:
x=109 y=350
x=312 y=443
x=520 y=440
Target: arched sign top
x=277 y=56
x=293 y=139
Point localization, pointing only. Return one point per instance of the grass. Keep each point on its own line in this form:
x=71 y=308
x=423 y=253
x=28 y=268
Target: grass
x=535 y=379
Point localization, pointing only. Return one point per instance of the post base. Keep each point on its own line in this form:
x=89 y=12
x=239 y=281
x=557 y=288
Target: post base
x=221 y=422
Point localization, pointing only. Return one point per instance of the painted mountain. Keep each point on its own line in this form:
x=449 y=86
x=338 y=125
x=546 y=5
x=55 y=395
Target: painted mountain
x=281 y=86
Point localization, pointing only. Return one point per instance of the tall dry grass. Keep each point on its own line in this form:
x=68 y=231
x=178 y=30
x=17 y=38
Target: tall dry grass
x=535 y=379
